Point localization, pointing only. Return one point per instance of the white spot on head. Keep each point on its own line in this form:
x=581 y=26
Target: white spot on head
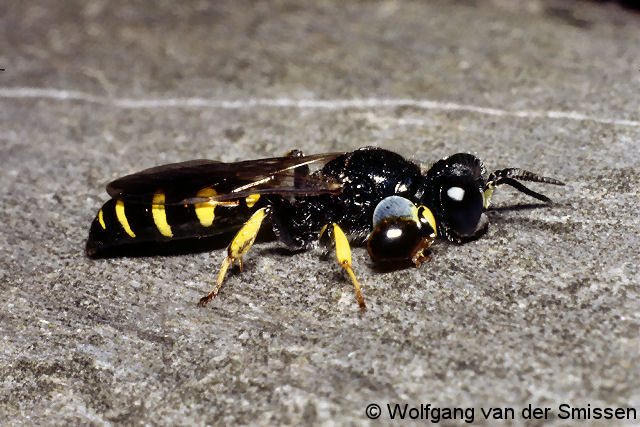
x=456 y=193
x=393 y=233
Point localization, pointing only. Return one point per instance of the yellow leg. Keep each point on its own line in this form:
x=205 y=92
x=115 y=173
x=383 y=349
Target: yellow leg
x=343 y=253
x=487 y=195
x=238 y=247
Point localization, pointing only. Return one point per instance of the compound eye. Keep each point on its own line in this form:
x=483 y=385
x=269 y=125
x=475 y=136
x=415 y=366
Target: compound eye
x=400 y=231
x=462 y=204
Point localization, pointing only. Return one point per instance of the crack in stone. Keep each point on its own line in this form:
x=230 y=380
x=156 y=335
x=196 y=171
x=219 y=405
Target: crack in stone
x=326 y=104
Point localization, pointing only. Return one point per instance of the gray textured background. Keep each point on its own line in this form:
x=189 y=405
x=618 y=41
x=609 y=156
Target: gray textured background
x=544 y=309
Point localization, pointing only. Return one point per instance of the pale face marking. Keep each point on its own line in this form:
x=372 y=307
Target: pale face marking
x=393 y=233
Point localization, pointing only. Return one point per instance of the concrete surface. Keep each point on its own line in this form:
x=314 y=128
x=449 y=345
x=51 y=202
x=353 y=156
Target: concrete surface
x=543 y=310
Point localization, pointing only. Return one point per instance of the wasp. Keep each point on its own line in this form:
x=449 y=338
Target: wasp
x=369 y=196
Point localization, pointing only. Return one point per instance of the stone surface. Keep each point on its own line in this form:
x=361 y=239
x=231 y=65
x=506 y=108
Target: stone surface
x=542 y=310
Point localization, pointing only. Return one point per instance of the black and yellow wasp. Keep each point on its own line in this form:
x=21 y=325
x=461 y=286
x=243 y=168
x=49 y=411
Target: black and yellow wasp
x=369 y=195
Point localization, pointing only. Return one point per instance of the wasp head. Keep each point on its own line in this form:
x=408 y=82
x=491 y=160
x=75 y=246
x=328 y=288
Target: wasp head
x=401 y=231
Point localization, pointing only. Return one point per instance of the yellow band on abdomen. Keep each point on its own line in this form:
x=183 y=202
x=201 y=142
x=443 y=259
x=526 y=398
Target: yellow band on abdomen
x=122 y=218
x=160 y=215
x=101 y=220
x=252 y=199
x=205 y=211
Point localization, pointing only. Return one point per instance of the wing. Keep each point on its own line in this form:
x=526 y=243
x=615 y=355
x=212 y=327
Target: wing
x=181 y=182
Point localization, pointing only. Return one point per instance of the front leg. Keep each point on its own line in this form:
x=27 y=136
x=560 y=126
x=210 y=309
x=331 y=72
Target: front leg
x=343 y=254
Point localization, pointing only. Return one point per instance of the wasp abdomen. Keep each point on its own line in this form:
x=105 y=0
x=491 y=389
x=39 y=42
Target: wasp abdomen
x=119 y=223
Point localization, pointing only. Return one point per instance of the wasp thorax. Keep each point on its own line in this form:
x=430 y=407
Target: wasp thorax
x=401 y=231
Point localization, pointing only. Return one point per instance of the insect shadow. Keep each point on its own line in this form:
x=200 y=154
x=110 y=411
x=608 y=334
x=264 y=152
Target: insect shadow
x=181 y=247
x=518 y=207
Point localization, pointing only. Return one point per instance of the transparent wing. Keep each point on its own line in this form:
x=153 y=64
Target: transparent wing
x=181 y=182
